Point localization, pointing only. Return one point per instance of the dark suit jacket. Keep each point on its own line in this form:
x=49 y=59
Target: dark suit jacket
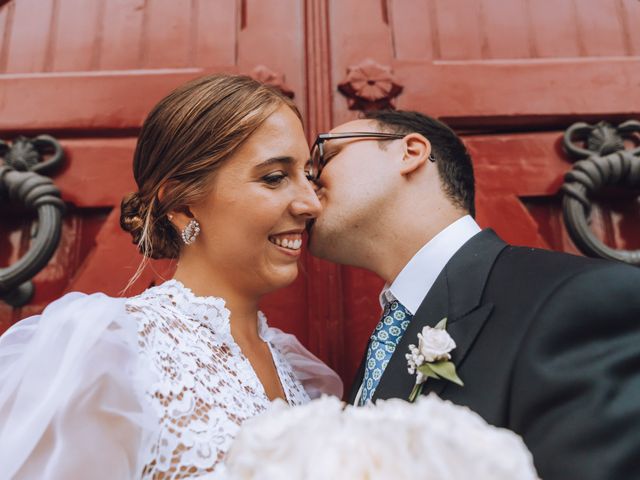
x=548 y=345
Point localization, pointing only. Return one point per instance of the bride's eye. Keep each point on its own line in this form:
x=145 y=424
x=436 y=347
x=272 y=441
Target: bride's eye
x=274 y=179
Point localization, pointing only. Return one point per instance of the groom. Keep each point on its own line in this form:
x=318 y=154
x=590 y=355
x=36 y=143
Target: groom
x=547 y=344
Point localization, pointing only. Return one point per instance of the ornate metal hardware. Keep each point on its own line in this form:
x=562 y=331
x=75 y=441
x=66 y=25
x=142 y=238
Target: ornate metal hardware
x=604 y=162
x=22 y=182
x=370 y=86
x=265 y=75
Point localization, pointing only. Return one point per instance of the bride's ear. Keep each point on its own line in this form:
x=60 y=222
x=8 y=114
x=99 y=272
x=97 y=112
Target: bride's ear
x=179 y=217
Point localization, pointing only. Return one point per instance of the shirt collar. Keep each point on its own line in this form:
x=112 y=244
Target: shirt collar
x=415 y=280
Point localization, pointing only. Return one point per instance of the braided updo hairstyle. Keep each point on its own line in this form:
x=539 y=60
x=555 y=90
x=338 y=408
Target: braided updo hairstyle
x=182 y=142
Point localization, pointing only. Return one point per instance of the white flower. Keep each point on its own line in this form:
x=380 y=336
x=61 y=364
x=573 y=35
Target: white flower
x=414 y=360
x=395 y=439
x=435 y=344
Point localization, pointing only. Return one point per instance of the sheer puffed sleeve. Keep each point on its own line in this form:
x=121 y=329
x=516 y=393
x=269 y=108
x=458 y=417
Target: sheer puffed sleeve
x=68 y=404
x=314 y=375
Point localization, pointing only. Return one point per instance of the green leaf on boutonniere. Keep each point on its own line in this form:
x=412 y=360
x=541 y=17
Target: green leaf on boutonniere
x=427 y=370
x=442 y=324
x=443 y=369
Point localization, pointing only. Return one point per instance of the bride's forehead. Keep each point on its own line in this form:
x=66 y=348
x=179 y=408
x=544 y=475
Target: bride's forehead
x=282 y=119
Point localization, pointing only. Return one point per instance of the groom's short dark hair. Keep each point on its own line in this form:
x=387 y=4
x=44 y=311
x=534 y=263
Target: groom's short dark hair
x=453 y=159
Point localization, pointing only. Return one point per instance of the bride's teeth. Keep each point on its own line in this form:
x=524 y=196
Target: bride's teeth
x=290 y=243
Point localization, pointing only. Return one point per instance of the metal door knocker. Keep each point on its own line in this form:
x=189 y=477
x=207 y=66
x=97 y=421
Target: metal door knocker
x=605 y=162
x=23 y=184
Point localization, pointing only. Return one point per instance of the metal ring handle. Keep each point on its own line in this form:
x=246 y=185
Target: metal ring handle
x=587 y=177
x=35 y=192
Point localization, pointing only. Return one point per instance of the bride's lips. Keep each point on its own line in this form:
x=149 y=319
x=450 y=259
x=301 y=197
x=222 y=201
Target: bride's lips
x=288 y=242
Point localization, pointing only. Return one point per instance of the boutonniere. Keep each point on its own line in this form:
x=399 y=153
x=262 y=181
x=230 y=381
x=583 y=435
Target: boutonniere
x=431 y=358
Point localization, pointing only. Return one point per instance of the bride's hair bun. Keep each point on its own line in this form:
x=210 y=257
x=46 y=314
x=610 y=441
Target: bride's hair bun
x=130 y=217
x=155 y=236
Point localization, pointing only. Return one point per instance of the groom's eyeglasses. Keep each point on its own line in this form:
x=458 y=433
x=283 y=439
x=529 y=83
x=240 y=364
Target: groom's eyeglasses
x=319 y=160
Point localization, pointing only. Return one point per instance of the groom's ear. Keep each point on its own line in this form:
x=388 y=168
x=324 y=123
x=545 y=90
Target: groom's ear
x=416 y=151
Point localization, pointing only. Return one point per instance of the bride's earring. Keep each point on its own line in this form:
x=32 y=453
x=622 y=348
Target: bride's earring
x=190 y=232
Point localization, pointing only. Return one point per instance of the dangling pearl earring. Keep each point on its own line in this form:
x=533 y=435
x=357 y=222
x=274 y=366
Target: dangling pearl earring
x=190 y=232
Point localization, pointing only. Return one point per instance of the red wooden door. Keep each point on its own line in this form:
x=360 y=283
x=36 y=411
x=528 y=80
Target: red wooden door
x=509 y=76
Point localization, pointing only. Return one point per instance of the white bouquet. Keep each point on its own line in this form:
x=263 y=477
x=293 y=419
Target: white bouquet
x=393 y=439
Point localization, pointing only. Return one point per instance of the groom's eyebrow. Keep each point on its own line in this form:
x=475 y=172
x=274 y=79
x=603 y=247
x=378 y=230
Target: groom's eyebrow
x=332 y=150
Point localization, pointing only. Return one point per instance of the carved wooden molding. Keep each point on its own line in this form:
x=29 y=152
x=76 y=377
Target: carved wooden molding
x=265 y=75
x=370 y=86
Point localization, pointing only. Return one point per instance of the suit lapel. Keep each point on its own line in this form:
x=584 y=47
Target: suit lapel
x=456 y=294
x=464 y=331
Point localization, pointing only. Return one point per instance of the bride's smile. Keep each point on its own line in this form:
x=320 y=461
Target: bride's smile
x=291 y=241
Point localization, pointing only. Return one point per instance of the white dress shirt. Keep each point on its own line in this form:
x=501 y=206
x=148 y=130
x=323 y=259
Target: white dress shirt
x=415 y=280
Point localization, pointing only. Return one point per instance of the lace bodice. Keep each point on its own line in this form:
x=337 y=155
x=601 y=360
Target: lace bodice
x=147 y=387
x=203 y=387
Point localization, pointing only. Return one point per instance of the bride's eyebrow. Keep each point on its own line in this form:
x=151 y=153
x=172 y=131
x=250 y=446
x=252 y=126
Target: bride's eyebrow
x=285 y=161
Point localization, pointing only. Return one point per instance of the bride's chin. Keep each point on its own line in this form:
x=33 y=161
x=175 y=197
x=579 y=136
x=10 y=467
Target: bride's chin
x=282 y=277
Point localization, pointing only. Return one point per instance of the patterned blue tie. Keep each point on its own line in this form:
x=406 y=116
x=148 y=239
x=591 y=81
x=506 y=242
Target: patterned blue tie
x=384 y=340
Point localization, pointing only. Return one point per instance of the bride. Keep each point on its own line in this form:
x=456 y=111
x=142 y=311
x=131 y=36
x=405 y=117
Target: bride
x=157 y=386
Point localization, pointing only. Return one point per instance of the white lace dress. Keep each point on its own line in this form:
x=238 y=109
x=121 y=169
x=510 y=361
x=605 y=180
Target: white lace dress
x=147 y=387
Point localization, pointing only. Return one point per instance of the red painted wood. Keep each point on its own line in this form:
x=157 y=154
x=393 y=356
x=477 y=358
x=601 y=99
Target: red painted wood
x=27 y=38
x=361 y=314
x=215 y=30
x=101 y=166
x=273 y=36
x=166 y=39
x=459 y=29
x=87 y=101
x=629 y=14
x=67 y=53
x=325 y=314
x=505 y=29
x=121 y=34
x=511 y=92
x=601 y=31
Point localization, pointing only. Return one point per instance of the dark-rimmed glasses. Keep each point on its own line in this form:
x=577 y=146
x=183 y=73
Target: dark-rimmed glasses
x=317 y=150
